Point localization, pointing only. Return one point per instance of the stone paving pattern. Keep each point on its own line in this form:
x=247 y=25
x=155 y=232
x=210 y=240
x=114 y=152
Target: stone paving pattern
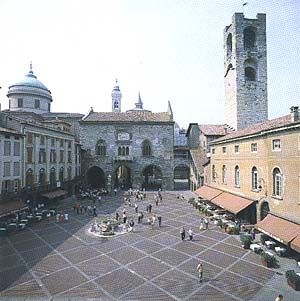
x=60 y=261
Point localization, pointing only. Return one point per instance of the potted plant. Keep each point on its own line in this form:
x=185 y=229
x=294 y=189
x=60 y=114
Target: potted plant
x=263 y=238
x=293 y=279
x=268 y=260
x=246 y=241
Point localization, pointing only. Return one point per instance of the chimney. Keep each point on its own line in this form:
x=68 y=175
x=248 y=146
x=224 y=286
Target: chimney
x=225 y=130
x=294 y=113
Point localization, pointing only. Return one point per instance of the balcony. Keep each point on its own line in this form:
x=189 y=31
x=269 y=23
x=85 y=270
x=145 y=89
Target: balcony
x=123 y=158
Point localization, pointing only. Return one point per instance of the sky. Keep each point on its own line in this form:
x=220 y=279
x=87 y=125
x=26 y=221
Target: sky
x=168 y=50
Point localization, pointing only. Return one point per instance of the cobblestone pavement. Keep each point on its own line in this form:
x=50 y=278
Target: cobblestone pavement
x=60 y=261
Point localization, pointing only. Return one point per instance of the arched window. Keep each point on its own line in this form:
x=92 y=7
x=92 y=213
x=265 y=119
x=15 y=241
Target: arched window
x=42 y=177
x=237 y=176
x=277 y=182
x=224 y=174
x=127 y=151
x=101 y=148
x=146 y=148
x=249 y=37
x=29 y=178
x=119 y=151
x=123 y=151
x=254 y=178
x=69 y=173
x=213 y=173
x=229 y=44
x=52 y=177
x=61 y=175
x=250 y=74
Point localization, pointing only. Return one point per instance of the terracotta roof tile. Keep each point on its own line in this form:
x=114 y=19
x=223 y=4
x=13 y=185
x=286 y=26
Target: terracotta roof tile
x=138 y=116
x=215 y=129
x=259 y=128
x=199 y=157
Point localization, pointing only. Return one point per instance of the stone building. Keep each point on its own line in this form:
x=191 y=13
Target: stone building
x=245 y=71
x=128 y=149
x=50 y=154
x=260 y=165
x=199 y=138
x=11 y=146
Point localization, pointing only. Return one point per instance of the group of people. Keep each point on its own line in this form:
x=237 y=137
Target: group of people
x=87 y=210
x=190 y=233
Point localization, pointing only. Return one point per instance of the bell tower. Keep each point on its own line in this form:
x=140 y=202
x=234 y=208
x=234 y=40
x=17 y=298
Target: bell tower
x=116 y=96
x=245 y=71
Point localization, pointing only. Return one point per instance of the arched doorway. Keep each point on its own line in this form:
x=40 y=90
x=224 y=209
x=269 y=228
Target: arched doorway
x=42 y=179
x=181 y=177
x=152 y=177
x=123 y=177
x=29 y=179
x=52 y=178
x=264 y=210
x=96 y=177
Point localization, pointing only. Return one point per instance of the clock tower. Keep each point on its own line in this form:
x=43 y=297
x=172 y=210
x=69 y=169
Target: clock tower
x=116 y=96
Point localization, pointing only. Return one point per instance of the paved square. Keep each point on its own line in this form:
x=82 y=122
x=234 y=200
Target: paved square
x=61 y=260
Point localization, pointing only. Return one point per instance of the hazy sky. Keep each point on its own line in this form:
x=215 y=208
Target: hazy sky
x=166 y=49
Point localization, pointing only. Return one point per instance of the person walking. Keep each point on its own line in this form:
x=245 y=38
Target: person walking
x=150 y=208
x=279 y=298
x=191 y=233
x=159 y=221
x=153 y=221
x=206 y=223
x=156 y=201
x=136 y=207
x=117 y=216
x=200 y=271
x=95 y=211
x=182 y=233
x=131 y=224
x=124 y=218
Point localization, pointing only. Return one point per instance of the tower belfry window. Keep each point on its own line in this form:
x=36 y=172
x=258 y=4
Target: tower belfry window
x=249 y=37
x=250 y=74
x=229 y=44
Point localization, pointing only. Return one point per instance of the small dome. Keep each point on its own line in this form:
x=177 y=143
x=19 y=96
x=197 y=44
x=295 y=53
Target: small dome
x=30 y=85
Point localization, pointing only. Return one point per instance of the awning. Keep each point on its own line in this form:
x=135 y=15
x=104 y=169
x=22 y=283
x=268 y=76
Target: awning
x=279 y=228
x=231 y=202
x=207 y=193
x=295 y=244
x=11 y=208
x=54 y=194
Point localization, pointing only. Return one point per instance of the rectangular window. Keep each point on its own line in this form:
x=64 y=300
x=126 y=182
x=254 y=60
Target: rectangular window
x=52 y=142
x=36 y=103
x=61 y=143
x=20 y=102
x=29 y=154
x=42 y=140
x=16 y=185
x=253 y=147
x=213 y=150
x=61 y=159
x=69 y=157
x=16 y=169
x=16 y=148
x=236 y=148
x=29 y=138
x=276 y=145
x=42 y=156
x=6 y=169
x=7 y=148
x=224 y=149
x=69 y=144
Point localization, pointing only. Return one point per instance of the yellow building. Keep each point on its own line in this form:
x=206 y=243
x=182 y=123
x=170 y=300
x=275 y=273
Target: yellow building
x=261 y=163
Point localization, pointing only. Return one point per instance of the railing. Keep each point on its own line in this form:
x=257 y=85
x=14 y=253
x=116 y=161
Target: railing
x=123 y=158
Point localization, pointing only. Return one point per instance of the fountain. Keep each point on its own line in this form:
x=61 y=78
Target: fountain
x=107 y=227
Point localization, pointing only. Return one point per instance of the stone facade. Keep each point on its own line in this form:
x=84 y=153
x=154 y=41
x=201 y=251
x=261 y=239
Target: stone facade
x=11 y=146
x=245 y=71
x=116 y=134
